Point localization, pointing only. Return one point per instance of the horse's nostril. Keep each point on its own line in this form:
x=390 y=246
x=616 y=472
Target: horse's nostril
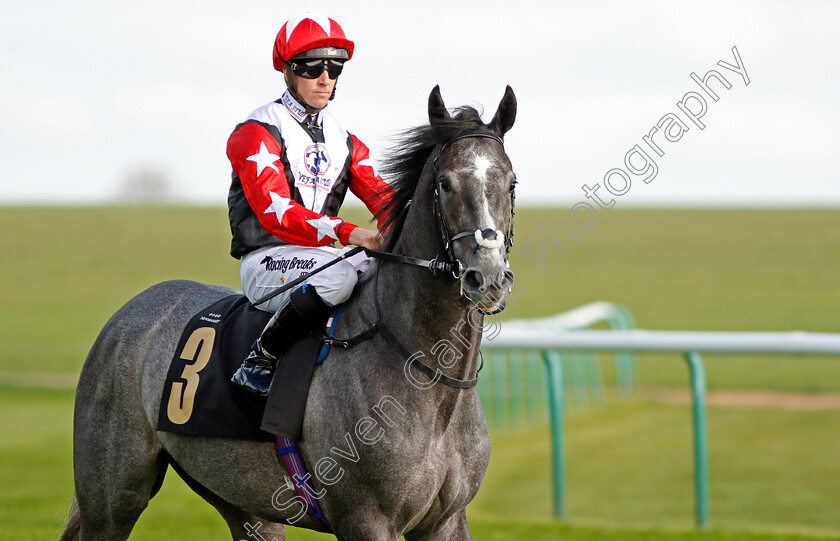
x=474 y=280
x=504 y=279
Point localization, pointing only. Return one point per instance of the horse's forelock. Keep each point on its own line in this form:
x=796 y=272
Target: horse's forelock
x=404 y=162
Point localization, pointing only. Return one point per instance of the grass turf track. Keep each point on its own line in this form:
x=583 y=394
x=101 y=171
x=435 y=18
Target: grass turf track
x=67 y=270
x=629 y=477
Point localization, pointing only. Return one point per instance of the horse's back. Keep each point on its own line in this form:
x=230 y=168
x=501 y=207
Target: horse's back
x=135 y=346
x=117 y=459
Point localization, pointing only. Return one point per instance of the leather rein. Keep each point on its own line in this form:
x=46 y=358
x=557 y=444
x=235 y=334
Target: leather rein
x=450 y=265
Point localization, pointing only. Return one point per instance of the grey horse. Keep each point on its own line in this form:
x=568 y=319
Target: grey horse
x=391 y=450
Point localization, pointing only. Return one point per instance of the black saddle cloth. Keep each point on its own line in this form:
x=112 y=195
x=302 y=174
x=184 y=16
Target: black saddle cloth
x=198 y=397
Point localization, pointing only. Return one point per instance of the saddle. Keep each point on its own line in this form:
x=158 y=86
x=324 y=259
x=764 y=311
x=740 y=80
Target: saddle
x=198 y=397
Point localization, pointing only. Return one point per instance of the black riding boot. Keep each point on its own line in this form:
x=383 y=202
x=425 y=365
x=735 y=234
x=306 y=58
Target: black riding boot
x=304 y=312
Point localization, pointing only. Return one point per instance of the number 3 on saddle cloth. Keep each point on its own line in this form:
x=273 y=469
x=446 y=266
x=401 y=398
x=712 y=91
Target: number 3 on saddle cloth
x=198 y=397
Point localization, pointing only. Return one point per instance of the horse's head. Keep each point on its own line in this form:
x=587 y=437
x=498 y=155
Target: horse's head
x=474 y=195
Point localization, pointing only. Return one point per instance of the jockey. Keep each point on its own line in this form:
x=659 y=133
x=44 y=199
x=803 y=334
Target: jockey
x=293 y=163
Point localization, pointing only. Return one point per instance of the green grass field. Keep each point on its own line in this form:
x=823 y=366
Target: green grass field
x=774 y=471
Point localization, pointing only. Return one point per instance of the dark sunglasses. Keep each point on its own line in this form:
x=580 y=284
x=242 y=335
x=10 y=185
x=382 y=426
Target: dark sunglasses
x=312 y=68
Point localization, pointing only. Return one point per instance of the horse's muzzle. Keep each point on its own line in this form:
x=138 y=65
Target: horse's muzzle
x=487 y=287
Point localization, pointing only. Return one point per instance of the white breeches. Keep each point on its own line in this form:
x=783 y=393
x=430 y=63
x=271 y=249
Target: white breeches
x=263 y=271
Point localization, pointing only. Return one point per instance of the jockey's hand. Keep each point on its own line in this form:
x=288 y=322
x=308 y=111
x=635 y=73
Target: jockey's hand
x=366 y=238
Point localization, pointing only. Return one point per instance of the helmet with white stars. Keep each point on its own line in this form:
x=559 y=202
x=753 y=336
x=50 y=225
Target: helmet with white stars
x=311 y=35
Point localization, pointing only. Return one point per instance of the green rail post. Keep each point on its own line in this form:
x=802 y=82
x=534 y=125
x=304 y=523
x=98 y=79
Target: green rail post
x=484 y=390
x=501 y=393
x=554 y=367
x=536 y=391
x=575 y=362
x=517 y=395
x=487 y=399
x=701 y=448
x=625 y=366
x=594 y=381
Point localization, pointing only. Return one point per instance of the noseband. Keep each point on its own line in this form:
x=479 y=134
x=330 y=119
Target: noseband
x=453 y=265
x=446 y=237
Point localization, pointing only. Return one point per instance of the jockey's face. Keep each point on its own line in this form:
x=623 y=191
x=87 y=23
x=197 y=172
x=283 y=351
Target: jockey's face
x=315 y=93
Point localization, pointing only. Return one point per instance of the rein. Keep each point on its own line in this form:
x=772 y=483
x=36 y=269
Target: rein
x=432 y=264
x=452 y=266
x=392 y=339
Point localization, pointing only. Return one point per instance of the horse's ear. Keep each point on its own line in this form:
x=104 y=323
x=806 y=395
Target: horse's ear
x=504 y=117
x=437 y=110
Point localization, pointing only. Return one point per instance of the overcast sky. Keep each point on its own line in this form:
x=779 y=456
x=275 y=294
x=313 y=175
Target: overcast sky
x=92 y=91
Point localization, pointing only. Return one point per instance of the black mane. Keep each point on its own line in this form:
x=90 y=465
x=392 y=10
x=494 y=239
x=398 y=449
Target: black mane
x=404 y=162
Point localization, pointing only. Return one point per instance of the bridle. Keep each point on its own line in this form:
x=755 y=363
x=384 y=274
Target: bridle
x=451 y=265
x=446 y=237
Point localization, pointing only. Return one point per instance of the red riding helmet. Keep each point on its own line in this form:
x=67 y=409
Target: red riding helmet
x=307 y=32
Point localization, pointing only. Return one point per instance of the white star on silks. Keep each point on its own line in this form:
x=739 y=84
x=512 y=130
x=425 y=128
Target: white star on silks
x=325 y=226
x=370 y=163
x=264 y=159
x=279 y=206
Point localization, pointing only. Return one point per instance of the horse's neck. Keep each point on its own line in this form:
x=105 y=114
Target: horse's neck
x=423 y=308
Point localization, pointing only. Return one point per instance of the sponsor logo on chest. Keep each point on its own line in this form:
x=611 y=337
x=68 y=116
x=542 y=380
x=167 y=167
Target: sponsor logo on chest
x=316 y=172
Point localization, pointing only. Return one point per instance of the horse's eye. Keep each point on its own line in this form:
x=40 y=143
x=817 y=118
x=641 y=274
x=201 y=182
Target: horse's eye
x=513 y=185
x=445 y=185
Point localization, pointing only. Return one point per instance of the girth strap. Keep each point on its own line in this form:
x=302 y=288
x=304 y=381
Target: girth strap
x=289 y=454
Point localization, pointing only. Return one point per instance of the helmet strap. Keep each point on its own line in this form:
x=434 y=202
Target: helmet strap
x=291 y=81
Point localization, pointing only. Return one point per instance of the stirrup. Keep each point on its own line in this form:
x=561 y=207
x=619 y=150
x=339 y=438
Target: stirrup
x=303 y=310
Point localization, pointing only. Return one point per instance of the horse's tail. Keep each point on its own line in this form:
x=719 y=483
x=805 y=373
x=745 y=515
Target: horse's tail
x=74 y=523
